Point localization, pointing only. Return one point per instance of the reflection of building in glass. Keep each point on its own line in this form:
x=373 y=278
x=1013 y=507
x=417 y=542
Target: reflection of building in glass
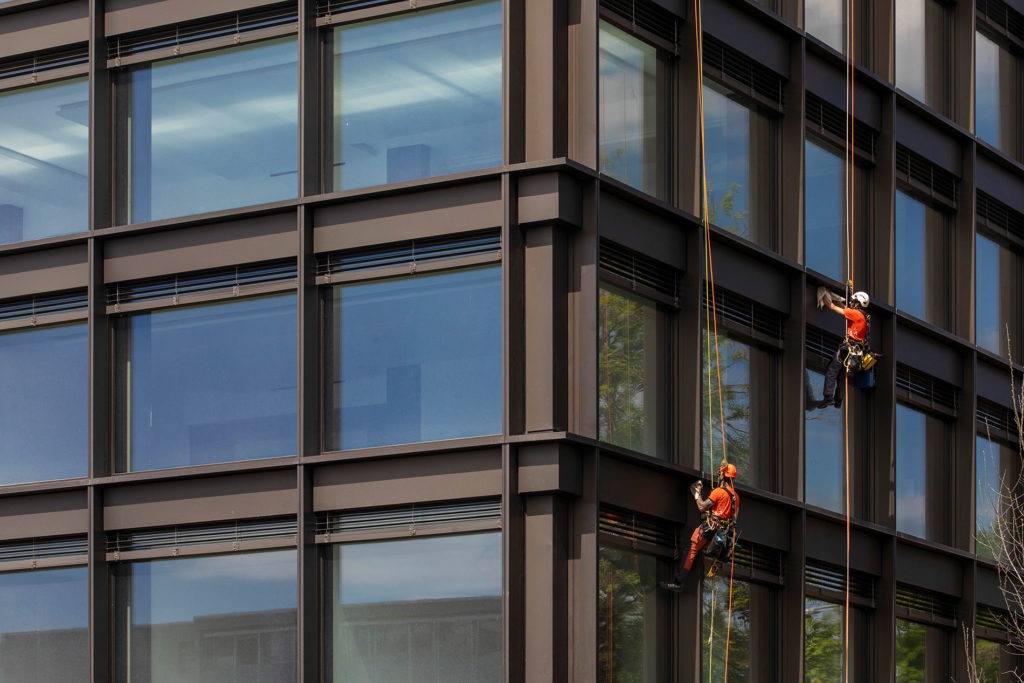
x=378 y=340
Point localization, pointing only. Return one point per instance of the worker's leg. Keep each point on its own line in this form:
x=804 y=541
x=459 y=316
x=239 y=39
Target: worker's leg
x=835 y=366
x=697 y=543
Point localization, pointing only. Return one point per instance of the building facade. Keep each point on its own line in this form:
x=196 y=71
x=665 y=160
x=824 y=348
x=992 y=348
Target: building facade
x=354 y=340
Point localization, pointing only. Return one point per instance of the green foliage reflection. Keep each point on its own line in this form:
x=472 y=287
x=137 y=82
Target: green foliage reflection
x=626 y=617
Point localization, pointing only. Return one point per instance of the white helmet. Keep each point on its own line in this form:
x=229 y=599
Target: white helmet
x=861 y=298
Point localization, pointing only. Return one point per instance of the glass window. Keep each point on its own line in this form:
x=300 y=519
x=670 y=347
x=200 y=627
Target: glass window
x=211 y=618
x=922 y=653
x=996 y=90
x=986 y=659
x=44 y=161
x=740 y=147
x=995 y=464
x=205 y=384
x=823 y=641
x=415 y=359
x=44 y=404
x=630 y=138
x=922 y=261
x=824 y=467
x=630 y=632
x=44 y=626
x=417 y=95
x=206 y=132
x=629 y=370
x=753 y=634
x=923 y=51
x=826 y=21
x=997 y=295
x=825 y=238
x=748 y=377
x=424 y=609
x=922 y=461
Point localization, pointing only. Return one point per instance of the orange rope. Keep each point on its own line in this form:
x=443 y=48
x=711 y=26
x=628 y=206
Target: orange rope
x=851 y=78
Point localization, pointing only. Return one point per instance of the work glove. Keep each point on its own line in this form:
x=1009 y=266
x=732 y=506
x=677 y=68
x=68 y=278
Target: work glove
x=824 y=296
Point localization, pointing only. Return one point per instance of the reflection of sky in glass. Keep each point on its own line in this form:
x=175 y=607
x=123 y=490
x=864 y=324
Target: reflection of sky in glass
x=418 y=95
x=989 y=328
x=734 y=365
x=428 y=568
x=44 y=404
x=223 y=130
x=628 y=91
x=43 y=600
x=44 y=154
x=213 y=383
x=911 y=450
x=823 y=462
x=826 y=21
x=910 y=255
x=183 y=589
x=986 y=89
x=727 y=151
x=420 y=358
x=910 y=46
x=824 y=199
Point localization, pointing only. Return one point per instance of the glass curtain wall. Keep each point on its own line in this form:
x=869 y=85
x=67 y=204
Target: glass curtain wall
x=425 y=609
x=44 y=403
x=205 y=132
x=825 y=239
x=630 y=632
x=824 y=449
x=923 y=52
x=416 y=95
x=997 y=102
x=995 y=466
x=824 y=642
x=44 y=161
x=998 y=294
x=753 y=635
x=922 y=463
x=922 y=653
x=922 y=261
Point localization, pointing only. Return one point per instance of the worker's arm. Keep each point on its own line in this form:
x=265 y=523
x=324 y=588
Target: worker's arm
x=838 y=309
x=702 y=504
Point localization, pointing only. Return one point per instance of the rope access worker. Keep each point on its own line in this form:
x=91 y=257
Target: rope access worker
x=852 y=352
x=720 y=509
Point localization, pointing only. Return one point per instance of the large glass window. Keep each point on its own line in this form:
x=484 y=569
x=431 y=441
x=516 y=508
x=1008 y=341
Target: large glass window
x=415 y=359
x=986 y=659
x=629 y=372
x=745 y=377
x=205 y=384
x=417 y=95
x=824 y=448
x=44 y=404
x=922 y=260
x=424 y=609
x=922 y=463
x=995 y=466
x=824 y=640
x=923 y=51
x=44 y=161
x=826 y=20
x=997 y=89
x=922 y=653
x=825 y=238
x=210 y=618
x=206 y=132
x=44 y=626
x=740 y=150
x=630 y=631
x=630 y=139
x=997 y=295
x=753 y=634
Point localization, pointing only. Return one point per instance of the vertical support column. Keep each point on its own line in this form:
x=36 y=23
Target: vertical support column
x=967 y=612
x=962 y=65
x=546 y=576
x=582 y=81
x=882 y=248
x=310 y=137
x=545 y=328
x=884 y=627
x=793 y=601
x=791 y=158
x=583 y=560
x=961 y=499
x=962 y=250
x=100 y=125
x=545 y=110
x=582 y=317
x=513 y=595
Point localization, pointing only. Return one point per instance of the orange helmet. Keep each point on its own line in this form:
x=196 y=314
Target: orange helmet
x=728 y=470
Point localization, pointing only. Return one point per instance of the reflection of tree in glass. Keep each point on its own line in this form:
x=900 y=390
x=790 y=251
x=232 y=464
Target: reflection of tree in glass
x=823 y=642
x=734 y=366
x=724 y=213
x=622 y=342
x=910 y=644
x=625 y=581
x=717 y=613
x=986 y=660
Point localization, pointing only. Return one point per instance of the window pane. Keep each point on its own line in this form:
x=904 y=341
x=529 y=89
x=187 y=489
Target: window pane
x=921 y=472
x=629 y=110
x=997 y=307
x=44 y=626
x=923 y=52
x=824 y=461
x=207 y=619
x=415 y=359
x=997 y=118
x=628 y=371
x=628 y=637
x=417 y=95
x=753 y=636
x=747 y=378
x=44 y=404
x=922 y=653
x=44 y=161
x=825 y=199
x=826 y=21
x=994 y=465
x=986 y=658
x=204 y=384
x=740 y=151
x=823 y=641
x=922 y=261
x=210 y=131
x=426 y=609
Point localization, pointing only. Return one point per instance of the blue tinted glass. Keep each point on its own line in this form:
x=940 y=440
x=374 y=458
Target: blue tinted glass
x=824 y=208
x=44 y=404
x=727 y=132
x=922 y=261
x=44 y=161
x=823 y=462
x=425 y=609
x=826 y=21
x=629 y=114
x=420 y=359
x=417 y=95
x=212 y=618
x=986 y=89
x=911 y=450
x=44 y=626
x=996 y=306
x=212 y=131
x=212 y=383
